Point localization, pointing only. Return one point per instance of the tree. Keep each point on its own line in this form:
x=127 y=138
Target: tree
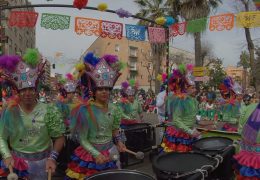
x=191 y=10
x=152 y=10
x=245 y=63
x=216 y=72
x=250 y=43
x=149 y=65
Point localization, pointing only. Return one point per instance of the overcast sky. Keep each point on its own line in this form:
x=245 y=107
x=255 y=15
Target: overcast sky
x=226 y=45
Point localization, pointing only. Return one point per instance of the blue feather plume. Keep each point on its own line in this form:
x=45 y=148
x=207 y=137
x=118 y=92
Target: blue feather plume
x=91 y=59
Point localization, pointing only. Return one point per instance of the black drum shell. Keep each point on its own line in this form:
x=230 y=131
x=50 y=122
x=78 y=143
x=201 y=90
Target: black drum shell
x=120 y=175
x=139 y=137
x=224 y=171
x=167 y=166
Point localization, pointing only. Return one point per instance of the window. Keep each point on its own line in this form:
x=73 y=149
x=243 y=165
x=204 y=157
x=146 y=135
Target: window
x=133 y=65
x=117 y=48
x=132 y=75
x=133 y=51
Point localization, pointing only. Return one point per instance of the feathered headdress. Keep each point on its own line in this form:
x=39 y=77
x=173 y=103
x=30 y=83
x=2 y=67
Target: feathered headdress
x=71 y=83
x=103 y=71
x=228 y=87
x=129 y=87
x=24 y=71
x=178 y=81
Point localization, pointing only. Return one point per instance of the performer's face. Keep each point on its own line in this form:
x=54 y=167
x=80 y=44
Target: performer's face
x=28 y=95
x=102 y=94
x=131 y=98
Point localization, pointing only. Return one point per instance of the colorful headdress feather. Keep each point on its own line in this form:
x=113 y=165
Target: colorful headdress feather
x=129 y=87
x=24 y=74
x=103 y=71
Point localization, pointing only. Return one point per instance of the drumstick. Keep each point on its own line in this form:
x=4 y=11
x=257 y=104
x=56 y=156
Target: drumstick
x=49 y=174
x=12 y=175
x=138 y=155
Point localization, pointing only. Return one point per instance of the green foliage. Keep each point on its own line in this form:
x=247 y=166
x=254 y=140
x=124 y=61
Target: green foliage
x=244 y=60
x=216 y=73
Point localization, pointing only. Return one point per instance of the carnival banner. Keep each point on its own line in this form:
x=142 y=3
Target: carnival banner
x=55 y=21
x=23 y=19
x=111 y=29
x=87 y=26
x=257 y=4
x=135 y=33
x=156 y=35
x=177 y=29
x=197 y=25
x=221 y=22
x=248 y=19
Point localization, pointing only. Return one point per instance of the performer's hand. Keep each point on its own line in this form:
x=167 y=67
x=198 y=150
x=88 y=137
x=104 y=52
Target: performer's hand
x=50 y=165
x=196 y=133
x=121 y=147
x=9 y=162
x=101 y=159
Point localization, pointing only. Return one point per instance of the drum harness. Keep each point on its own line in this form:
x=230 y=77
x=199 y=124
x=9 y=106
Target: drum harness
x=219 y=159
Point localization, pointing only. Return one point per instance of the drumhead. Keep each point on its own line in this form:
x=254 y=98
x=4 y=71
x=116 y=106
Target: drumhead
x=120 y=175
x=180 y=163
x=212 y=143
x=137 y=126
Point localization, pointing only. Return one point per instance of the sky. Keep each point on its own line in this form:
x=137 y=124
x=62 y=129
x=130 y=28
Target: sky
x=226 y=45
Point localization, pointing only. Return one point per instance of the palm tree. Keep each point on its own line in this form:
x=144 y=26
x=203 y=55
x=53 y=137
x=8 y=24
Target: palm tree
x=152 y=9
x=250 y=45
x=191 y=10
x=245 y=63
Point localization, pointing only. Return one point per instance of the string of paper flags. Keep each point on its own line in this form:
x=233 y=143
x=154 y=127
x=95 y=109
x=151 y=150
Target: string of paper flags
x=89 y=26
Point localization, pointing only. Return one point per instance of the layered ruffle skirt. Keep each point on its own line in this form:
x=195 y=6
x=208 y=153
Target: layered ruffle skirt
x=83 y=164
x=176 y=140
x=247 y=165
x=32 y=168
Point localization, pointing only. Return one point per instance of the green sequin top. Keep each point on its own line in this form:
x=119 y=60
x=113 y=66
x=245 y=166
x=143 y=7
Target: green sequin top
x=97 y=125
x=30 y=133
x=182 y=112
x=131 y=110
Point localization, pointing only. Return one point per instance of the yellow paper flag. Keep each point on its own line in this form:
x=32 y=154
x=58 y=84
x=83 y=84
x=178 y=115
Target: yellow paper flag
x=248 y=19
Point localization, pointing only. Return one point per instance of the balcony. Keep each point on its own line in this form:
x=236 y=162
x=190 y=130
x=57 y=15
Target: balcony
x=133 y=68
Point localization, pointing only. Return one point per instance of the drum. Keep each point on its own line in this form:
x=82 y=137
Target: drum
x=223 y=149
x=119 y=175
x=64 y=157
x=139 y=137
x=188 y=166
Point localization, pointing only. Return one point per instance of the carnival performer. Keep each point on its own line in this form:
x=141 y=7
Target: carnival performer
x=246 y=110
x=42 y=96
x=161 y=98
x=97 y=123
x=230 y=106
x=69 y=97
x=247 y=161
x=132 y=109
x=182 y=110
x=28 y=126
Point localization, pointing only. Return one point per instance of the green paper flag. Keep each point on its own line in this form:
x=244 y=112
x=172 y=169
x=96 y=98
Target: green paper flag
x=197 y=25
x=55 y=21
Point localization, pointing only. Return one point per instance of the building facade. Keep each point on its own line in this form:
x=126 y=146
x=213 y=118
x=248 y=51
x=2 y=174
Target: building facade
x=16 y=40
x=138 y=57
x=239 y=75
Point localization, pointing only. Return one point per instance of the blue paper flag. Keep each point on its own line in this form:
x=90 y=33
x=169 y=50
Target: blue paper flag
x=135 y=32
